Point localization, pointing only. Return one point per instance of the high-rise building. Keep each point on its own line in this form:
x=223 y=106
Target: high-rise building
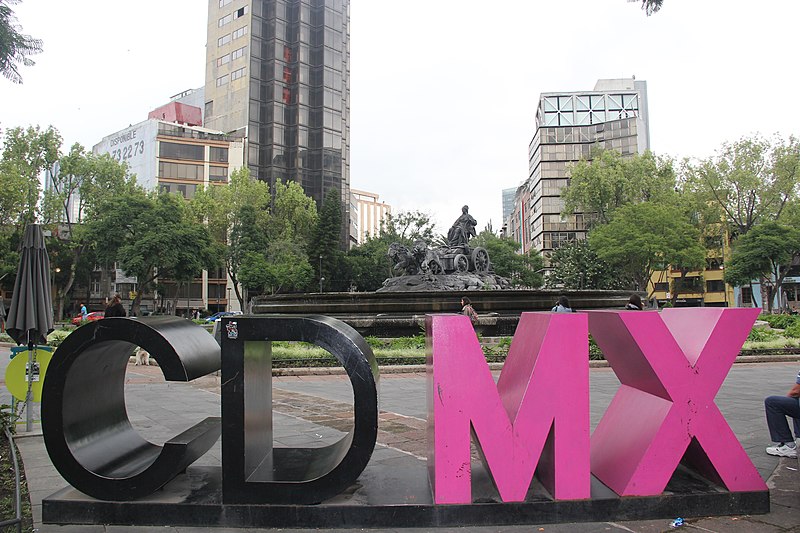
x=612 y=116
x=169 y=152
x=370 y=213
x=277 y=75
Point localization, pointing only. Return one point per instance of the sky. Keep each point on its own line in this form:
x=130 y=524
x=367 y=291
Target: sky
x=443 y=92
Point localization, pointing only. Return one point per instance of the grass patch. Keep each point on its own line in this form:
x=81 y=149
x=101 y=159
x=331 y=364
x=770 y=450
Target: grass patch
x=7 y=482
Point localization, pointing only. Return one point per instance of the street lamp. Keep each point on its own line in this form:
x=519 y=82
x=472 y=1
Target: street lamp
x=53 y=284
x=321 y=279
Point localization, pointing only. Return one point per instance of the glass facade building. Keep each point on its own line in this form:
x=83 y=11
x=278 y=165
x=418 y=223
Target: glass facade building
x=568 y=126
x=277 y=74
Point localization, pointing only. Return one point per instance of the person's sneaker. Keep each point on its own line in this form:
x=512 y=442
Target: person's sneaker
x=782 y=450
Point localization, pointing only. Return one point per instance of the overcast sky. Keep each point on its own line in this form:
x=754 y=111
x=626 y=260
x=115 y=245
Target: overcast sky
x=444 y=92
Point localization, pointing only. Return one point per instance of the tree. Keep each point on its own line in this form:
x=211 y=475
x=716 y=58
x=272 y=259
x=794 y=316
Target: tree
x=576 y=266
x=368 y=265
x=325 y=244
x=27 y=153
x=766 y=253
x=280 y=263
x=284 y=268
x=609 y=181
x=151 y=235
x=408 y=227
x=642 y=238
x=651 y=6
x=293 y=213
x=522 y=270
x=14 y=46
x=238 y=217
x=749 y=181
x=82 y=182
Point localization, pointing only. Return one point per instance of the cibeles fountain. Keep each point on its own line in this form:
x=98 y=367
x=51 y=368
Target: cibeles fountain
x=430 y=280
x=455 y=267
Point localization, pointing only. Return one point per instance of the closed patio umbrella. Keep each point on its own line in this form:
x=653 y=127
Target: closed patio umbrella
x=30 y=315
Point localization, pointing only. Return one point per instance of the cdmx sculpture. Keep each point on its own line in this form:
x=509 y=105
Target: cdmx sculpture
x=533 y=422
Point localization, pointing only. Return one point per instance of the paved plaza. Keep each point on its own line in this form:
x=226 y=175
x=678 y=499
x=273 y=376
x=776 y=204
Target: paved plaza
x=316 y=409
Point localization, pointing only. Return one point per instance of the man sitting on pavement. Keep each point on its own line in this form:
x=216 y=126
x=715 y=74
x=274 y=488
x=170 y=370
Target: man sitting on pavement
x=777 y=409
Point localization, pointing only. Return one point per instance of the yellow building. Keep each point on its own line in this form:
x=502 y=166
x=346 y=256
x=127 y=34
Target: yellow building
x=694 y=288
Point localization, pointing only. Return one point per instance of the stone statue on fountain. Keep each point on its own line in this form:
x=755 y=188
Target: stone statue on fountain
x=456 y=266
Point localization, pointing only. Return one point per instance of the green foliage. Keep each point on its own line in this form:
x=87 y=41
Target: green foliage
x=793 y=330
x=151 y=235
x=407 y=227
x=610 y=181
x=576 y=266
x=779 y=321
x=293 y=215
x=643 y=237
x=749 y=181
x=326 y=244
x=15 y=47
x=595 y=354
x=57 y=337
x=521 y=270
x=238 y=218
x=417 y=342
x=84 y=181
x=761 y=335
x=763 y=253
x=368 y=264
x=27 y=153
x=283 y=268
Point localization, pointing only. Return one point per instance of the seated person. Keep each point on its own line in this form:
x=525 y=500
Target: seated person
x=777 y=409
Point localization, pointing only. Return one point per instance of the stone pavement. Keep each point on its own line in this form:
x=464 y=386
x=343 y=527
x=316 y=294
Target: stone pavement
x=318 y=408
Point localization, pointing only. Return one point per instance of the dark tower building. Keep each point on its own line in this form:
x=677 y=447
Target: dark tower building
x=277 y=74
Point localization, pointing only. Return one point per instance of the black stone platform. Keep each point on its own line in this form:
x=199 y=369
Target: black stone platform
x=395 y=497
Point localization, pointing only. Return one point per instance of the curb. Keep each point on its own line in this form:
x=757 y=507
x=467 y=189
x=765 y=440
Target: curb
x=411 y=369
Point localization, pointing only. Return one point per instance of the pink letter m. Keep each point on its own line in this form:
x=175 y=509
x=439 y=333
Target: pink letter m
x=536 y=415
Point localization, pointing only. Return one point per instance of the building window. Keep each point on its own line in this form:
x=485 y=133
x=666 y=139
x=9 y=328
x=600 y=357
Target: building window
x=226 y=19
x=223 y=3
x=240 y=32
x=192 y=152
x=239 y=52
x=180 y=171
x=222 y=80
x=225 y=39
x=209 y=108
x=185 y=190
x=242 y=11
x=715 y=285
x=218 y=154
x=661 y=287
x=217 y=173
x=747 y=296
x=224 y=59
x=236 y=74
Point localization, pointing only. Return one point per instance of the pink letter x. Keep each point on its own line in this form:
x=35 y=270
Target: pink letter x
x=671 y=366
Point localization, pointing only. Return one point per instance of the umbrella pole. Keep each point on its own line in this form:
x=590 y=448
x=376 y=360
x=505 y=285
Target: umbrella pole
x=29 y=395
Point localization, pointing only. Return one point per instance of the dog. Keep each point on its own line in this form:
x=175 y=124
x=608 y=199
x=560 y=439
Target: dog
x=142 y=357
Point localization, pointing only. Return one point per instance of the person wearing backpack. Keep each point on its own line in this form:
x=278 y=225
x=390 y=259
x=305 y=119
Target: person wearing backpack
x=467 y=309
